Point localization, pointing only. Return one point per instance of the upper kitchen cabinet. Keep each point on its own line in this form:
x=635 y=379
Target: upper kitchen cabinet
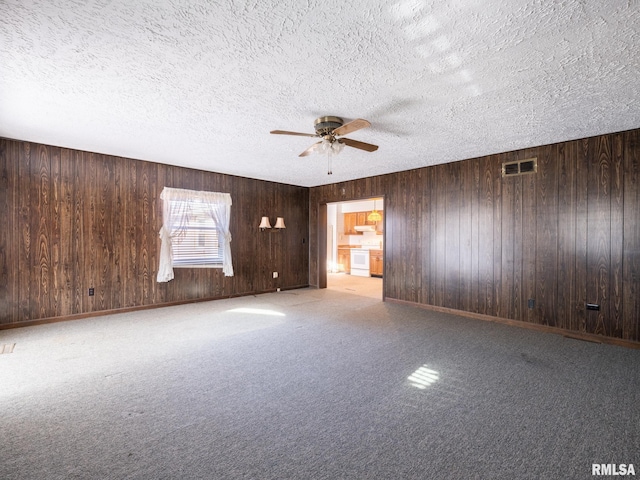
x=353 y=219
x=350 y=222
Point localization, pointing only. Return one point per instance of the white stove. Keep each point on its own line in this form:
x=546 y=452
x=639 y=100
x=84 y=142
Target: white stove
x=360 y=262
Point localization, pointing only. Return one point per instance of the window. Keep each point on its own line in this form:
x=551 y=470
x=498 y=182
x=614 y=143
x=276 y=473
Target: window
x=198 y=245
x=195 y=231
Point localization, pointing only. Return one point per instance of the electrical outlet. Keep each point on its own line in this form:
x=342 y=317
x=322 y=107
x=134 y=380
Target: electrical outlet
x=91 y=292
x=531 y=303
x=275 y=274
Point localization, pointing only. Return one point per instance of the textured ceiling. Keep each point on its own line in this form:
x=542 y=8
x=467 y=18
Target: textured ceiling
x=200 y=84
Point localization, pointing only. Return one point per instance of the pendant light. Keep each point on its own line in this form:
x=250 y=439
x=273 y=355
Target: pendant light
x=375 y=215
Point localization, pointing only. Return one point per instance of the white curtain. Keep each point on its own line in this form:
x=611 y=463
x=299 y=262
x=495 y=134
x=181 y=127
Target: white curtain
x=175 y=218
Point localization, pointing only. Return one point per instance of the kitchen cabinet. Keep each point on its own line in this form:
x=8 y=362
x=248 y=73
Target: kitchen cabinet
x=359 y=218
x=350 y=222
x=376 y=263
x=344 y=260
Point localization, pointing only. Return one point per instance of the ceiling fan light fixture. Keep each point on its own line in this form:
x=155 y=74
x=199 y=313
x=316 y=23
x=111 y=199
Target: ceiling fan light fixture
x=324 y=147
x=330 y=146
x=329 y=129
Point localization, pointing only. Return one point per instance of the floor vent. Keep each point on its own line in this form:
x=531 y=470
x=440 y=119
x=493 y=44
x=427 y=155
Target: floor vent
x=7 y=348
x=520 y=167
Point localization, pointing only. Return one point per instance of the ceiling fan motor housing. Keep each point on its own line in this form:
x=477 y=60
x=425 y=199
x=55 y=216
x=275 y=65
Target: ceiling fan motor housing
x=326 y=125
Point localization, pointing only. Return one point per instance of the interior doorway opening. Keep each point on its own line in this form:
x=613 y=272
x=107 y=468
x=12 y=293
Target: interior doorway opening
x=355 y=247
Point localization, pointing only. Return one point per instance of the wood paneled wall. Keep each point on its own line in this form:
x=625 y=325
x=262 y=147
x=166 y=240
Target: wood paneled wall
x=460 y=236
x=73 y=220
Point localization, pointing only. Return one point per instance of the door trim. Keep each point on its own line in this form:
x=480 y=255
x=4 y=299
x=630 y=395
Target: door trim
x=322 y=241
x=322 y=245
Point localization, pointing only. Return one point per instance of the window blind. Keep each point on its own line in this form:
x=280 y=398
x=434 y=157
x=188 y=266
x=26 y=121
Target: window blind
x=198 y=244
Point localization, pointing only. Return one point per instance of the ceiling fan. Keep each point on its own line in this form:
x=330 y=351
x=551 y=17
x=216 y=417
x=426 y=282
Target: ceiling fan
x=329 y=129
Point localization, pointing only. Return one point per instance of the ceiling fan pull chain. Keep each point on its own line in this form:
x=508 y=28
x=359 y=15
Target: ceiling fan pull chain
x=329 y=167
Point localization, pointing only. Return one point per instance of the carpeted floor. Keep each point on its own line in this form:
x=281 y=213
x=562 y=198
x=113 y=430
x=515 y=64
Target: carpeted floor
x=363 y=286
x=311 y=384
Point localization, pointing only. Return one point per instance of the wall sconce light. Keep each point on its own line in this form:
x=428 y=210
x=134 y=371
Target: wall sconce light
x=280 y=223
x=265 y=223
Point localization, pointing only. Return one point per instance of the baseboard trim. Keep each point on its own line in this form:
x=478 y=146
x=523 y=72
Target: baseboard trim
x=102 y=313
x=588 y=337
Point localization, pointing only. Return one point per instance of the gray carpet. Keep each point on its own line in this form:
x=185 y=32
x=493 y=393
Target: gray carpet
x=311 y=384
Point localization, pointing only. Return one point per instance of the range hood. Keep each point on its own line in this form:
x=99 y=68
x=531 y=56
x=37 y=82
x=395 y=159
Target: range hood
x=365 y=228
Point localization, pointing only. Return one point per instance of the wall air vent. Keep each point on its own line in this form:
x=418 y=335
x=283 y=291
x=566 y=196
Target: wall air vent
x=520 y=167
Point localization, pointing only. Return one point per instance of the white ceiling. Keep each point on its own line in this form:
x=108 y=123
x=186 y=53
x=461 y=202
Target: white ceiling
x=200 y=84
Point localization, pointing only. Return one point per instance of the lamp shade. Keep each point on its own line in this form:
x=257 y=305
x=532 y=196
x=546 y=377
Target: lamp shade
x=264 y=223
x=374 y=216
x=280 y=223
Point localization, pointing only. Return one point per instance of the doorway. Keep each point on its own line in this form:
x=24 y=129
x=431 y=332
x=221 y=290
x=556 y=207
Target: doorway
x=355 y=247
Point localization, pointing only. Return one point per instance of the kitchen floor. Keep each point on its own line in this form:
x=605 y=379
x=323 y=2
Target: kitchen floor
x=363 y=286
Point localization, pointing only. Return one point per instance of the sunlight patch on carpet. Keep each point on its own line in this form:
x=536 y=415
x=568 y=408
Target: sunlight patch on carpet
x=423 y=377
x=257 y=311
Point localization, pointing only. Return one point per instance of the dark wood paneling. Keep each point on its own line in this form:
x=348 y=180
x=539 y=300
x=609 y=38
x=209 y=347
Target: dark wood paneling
x=466 y=247
x=509 y=234
x=566 y=168
x=631 y=237
x=427 y=245
x=77 y=238
x=518 y=304
x=322 y=245
x=451 y=233
x=27 y=309
x=456 y=235
x=529 y=244
x=413 y=213
x=460 y=236
x=599 y=234
x=583 y=160
x=439 y=266
x=485 y=240
x=497 y=234
x=475 y=236
x=547 y=235
x=616 y=233
x=7 y=187
x=81 y=220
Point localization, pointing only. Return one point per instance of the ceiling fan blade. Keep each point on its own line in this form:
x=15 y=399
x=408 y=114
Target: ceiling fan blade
x=361 y=145
x=310 y=150
x=284 y=132
x=352 y=126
